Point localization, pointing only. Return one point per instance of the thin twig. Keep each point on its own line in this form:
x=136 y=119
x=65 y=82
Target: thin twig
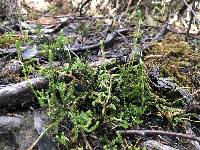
x=191 y=8
x=129 y=4
x=81 y=8
x=159 y=132
x=93 y=17
x=37 y=140
x=163 y=31
x=185 y=6
x=124 y=38
x=190 y=22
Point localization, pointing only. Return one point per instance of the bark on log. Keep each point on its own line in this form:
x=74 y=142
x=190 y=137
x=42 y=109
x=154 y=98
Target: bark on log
x=20 y=94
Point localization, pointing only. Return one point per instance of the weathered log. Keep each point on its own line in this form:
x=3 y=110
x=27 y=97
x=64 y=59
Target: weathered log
x=20 y=94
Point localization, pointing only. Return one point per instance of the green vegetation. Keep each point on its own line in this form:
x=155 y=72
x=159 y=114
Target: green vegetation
x=86 y=103
x=154 y=86
x=95 y=99
x=87 y=106
x=10 y=38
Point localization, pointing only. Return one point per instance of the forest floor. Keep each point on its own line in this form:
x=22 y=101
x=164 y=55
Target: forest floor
x=128 y=81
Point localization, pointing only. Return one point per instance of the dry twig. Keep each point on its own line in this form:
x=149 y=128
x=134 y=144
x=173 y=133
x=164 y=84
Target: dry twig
x=37 y=140
x=159 y=132
x=81 y=8
x=191 y=19
x=106 y=42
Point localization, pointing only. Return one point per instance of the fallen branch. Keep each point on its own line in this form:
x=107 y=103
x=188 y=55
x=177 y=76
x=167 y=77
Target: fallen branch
x=81 y=8
x=161 y=34
x=163 y=31
x=191 y=20
x=57 y=28
x=192 y=9
x=96 y=46
x=185 y=6
x=159 y=132
x=20 y=94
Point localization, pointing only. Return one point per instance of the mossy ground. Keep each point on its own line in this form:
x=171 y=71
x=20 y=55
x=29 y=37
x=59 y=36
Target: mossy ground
x=88 y=105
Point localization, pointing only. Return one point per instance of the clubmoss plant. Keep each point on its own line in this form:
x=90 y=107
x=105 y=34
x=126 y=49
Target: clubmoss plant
x=89 y=104
x=93 y=98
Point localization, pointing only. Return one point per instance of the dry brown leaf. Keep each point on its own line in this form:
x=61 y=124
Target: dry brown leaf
x=47 y=21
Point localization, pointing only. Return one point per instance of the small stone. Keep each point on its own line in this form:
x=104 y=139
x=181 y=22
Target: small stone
x=155 y=145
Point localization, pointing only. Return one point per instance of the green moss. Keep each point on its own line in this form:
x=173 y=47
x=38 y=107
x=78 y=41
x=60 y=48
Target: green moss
x=91 y=97
x=9 y=39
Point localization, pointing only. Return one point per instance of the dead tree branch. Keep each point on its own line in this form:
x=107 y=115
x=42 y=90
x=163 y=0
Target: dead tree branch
x=190 y=22
x=185 y=6
x=81 y=8
x=96 y=46
x=159 y=132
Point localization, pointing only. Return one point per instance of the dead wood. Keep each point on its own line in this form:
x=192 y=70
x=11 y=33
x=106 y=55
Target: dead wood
x=190 y=22
x=81 y=8
x=53 y=30
x=159 y=132
x=108 y=40
x=185 y=6
x=20 y=94
x=163 y=31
